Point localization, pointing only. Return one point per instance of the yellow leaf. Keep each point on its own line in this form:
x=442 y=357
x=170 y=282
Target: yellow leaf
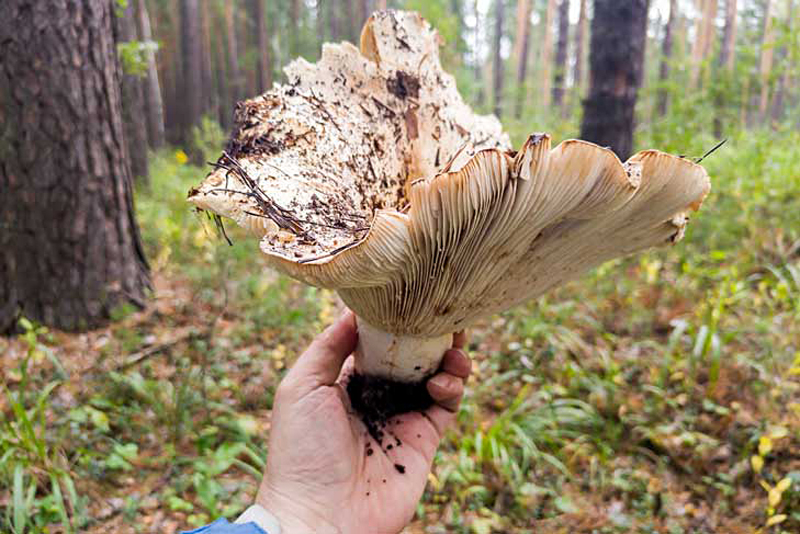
x=776 y=519
x=757 y=463
x=181 y=157
x=778 y=432
x=764 y=445
x=764 y=485
x=783 y=485
x=774 y=497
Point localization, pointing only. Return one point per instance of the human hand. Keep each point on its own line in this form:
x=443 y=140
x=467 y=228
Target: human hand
x=320 y=477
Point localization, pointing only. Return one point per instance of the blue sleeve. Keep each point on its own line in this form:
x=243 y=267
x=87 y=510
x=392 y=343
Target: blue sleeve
x=221 y=526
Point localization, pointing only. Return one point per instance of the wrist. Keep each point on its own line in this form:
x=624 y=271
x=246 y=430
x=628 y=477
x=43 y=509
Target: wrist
x=293 y=516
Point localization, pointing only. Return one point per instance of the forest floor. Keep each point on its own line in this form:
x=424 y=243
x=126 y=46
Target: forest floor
x=658 y=394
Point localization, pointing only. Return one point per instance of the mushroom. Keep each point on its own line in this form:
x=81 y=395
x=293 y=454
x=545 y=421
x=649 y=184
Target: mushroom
x=367 y=173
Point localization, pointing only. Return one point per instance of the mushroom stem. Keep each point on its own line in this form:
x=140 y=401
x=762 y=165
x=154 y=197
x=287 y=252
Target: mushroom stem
x=397 y=357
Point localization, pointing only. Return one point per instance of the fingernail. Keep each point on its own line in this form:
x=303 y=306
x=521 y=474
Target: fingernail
x=441 y=381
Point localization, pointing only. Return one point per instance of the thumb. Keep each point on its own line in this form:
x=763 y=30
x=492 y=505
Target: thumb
x=320 y=364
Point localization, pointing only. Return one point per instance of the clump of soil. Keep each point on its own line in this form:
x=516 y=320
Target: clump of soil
x=377 y=400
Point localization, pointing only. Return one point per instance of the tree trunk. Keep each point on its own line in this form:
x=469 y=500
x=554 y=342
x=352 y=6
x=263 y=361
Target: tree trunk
x=521 y=47
x=235 y=79
x=294 y=27
x=154 y=107
x=559 y=76
x=69 y=245
x=210 y=95
x=779 y=102
x=264 y=80
x=480 y=97
x=133 y=109
x=366 y=11
x=333 y=20
x=726 y=55
x=765 y=62
x=192 y=59
x=349 y=22
x=616 y=64
x=666 y=57
x=580 y=43
x=546 y=52
x=725 y=62
x=497 y=62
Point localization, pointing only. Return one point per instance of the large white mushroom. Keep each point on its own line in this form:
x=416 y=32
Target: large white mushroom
x=368 y=174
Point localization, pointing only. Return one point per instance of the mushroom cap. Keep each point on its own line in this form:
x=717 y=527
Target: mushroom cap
x=368 y=174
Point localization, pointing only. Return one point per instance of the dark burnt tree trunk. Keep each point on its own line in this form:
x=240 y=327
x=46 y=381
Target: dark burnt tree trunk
x=497 y=62
x=69 y=246
x=133 y=107
x=192 y=62
x=616 y=61
x=666 y=57
x=559 y=75
x=154 y=107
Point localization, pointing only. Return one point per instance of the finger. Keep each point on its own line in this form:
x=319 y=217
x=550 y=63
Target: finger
x=456 y=363
x=322 y=361
x=440 y=418
x=446 y=390
x=460 y=339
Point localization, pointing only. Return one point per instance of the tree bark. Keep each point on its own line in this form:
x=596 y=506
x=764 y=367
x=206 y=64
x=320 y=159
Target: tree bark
x=521 y=47
x=666 y=57
x=725 y=61
x=616 y=65
x=235 y=79
x=133 y=108
x=333 y=21
x=546 y=52
x=69 y=245
x=294 y=26
x=559 y=76
x=779 y=101
x=264 y=80
x=154 y=106
x=497 y=62
x=210 y=95
x=191 y=55
x=580 y=44
x=765 y=61
x=480 y=97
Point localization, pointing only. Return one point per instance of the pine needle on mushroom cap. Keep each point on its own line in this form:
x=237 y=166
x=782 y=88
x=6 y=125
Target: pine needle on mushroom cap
x=367 y=173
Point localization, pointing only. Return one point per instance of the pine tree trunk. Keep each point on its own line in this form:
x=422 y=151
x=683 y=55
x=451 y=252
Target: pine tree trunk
x=294 y=27
x=616 y=65
x=546 y=53
x=779 y=102
x=559 y=76
x=333 y=20
x=210 y=95
x=235 y=79
x=221 y=77
x=264 y=80
x=366 y=11
x=580 y=43
x=133 y=109
x=192 y=60
x=349 y=26
x=480 y=97
x=497 y=62
x=154 y=107
x=725 y=62
x=69 y=245
x=666 y=57
x=521 y=47
x=765 y=62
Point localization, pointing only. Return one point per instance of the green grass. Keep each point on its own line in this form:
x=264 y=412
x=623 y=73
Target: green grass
x=654 y=392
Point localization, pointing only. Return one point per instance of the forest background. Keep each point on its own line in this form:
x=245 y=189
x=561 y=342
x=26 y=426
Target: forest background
x=658 y=394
